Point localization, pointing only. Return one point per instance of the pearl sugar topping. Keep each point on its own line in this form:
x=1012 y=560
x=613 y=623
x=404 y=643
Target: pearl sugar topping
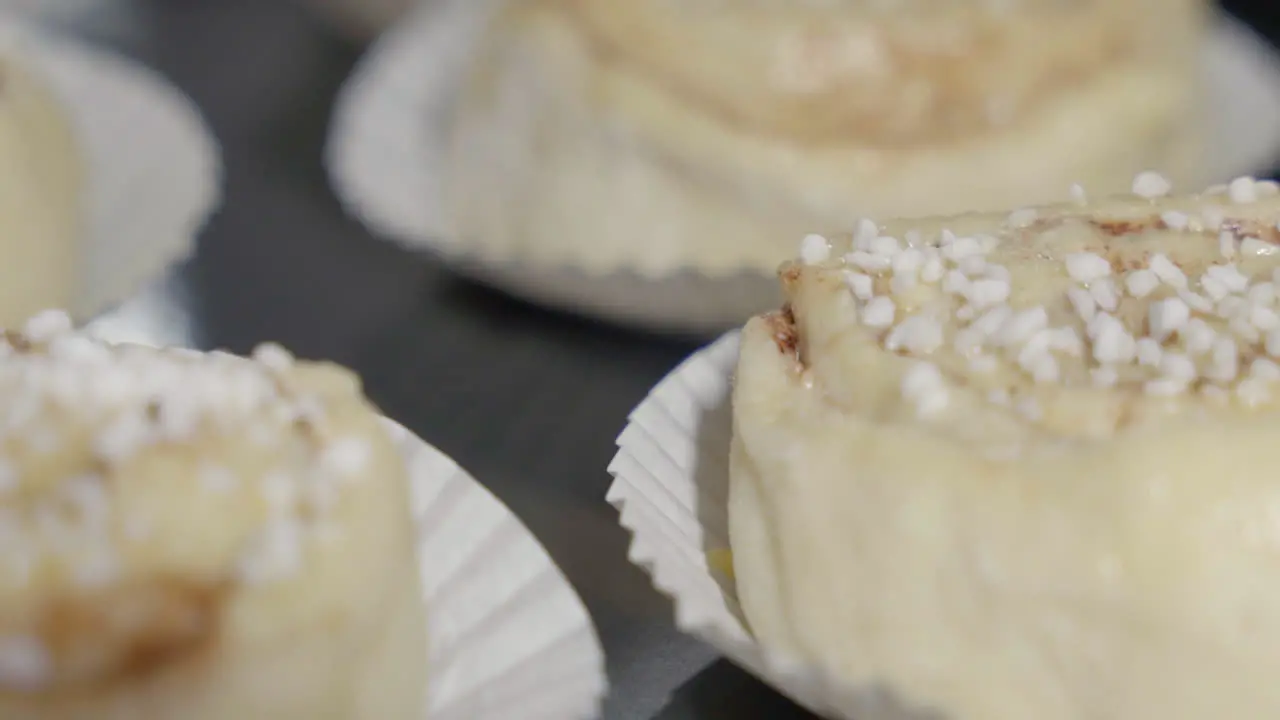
x=1152 y=328
x=131 y=399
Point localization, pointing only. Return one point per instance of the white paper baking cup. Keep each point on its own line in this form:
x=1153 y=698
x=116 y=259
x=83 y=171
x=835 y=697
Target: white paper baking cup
x=671 y=485
x=387 y=145
x=507 y=635
x=153 y=171
x=159 y=315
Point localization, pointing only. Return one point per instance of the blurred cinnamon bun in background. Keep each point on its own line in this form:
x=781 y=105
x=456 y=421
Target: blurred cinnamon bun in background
x=653 y=134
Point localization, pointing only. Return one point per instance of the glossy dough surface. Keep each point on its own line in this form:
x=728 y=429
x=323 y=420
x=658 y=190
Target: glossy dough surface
x=199 y=537
x=1019 y=466
x=657 y=134
x=41 y=197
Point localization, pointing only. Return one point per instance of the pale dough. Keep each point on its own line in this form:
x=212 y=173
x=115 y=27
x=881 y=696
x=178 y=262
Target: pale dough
x=1099 y=540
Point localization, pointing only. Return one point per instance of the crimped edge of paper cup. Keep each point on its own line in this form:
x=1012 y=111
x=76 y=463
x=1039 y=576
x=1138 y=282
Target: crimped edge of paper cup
x=508 y=637
x=672 y=458
x=153 y=168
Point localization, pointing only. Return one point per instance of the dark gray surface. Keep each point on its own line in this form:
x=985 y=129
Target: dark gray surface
x=529 y=401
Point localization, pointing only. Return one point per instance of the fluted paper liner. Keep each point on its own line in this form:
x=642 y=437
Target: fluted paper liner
x=152 y=168
x=671 y=484
x=507 y=635
x=387 y=146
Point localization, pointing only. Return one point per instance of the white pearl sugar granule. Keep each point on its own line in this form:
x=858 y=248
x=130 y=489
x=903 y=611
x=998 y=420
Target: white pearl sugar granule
x=814 y=250
x=1151 y=185
x=924 y=385
x=1139 y=320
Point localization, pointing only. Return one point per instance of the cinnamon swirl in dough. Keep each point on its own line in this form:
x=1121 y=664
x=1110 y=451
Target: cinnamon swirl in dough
x=41 y=176
x=1021 y=465
x=199 y=537
x=660 y=134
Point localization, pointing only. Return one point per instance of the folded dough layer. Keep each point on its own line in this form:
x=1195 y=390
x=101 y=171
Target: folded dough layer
x=657 y=135
x=884 y=73
x=1017 y=465
x=199 y=536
